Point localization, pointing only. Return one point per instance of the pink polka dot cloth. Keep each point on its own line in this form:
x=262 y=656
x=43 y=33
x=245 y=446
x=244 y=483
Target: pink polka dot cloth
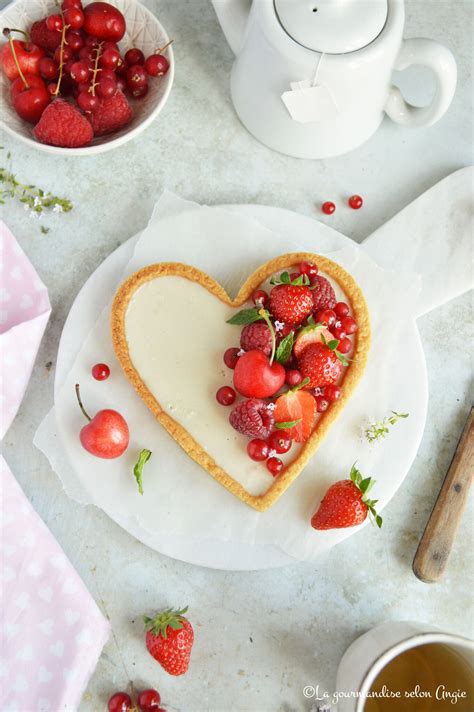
x=52 y=632
x=24 y=313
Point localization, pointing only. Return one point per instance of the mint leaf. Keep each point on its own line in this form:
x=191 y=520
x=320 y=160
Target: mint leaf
x=287 y=424
x=246 y=316
x=285 y=348
x=138 y=469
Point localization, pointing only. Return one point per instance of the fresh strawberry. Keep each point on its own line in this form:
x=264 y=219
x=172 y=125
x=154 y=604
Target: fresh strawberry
x=310 y=335
x=346 y=504
x=299 y=406
x=61 y=124
x=169 y=640
x=256 y=336
x=42 y=37
x=111 y=115
x=321 y=363
x=324 y=296
x=291 y=303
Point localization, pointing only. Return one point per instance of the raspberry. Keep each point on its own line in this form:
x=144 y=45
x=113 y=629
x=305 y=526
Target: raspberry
x=256 y=336
x=324 y=296
x=61 y=124
x=253 y=418
x=112 y=114
x=42 y=37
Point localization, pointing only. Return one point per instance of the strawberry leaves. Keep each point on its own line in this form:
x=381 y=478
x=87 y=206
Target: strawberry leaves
x=365 y=484
x=301 y=281
x=333 y=344
x=138 y=469
x=160 y=623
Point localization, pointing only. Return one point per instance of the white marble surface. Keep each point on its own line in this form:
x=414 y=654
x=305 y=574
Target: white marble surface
x=260 y=637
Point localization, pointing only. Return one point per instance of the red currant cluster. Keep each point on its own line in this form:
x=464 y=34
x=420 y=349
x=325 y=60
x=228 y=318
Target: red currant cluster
x=355 y=202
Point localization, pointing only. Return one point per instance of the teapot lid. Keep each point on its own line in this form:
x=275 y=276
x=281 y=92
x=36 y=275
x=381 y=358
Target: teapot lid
x=332 y=26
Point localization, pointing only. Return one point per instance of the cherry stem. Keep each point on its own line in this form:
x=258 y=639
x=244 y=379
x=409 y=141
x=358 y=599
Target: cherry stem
x=15 y=58
x=162 y=49
x=98 y=53
x=79 y=400
x=7 y=31
x=61 y=55
x=264 y=314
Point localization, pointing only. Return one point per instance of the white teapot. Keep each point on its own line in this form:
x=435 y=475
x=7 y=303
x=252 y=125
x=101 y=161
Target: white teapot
x=312 y=78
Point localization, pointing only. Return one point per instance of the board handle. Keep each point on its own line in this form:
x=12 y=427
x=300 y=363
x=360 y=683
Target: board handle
x=436 y=543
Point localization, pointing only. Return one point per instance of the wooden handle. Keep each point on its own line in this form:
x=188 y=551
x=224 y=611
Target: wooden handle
x=438 y=538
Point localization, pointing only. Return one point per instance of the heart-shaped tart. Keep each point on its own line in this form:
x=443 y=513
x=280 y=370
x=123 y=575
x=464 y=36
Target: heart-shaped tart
x=303 y=328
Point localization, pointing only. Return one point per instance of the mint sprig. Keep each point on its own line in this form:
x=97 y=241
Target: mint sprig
x=138 y=469
x=245 y=316
x=379 y=430
x=285 y=425
x=285 y=348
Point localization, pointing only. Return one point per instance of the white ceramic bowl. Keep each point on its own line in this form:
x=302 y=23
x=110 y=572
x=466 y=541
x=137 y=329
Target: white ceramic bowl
x=143 y=31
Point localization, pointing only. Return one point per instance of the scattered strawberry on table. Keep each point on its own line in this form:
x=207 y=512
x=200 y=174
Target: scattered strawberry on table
x=290 y=365
x=69 y=77
x=169 y=639
x=346 y=504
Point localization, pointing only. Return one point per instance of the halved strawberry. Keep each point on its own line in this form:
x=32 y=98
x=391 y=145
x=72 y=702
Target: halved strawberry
x=310 y=335
x=299 y=406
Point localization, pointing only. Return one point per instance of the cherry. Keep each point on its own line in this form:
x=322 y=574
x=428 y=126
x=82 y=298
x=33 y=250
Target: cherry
x=79 y=71
x=100 y=371
x=341 y=309
x=88 y=102
x=110 y=59
x=120 y=702
x=136 y=77
x=104 y=21
x=332 y=393
x=149 y=701
x=18 y=53
x=326 y=317
x=293 y=377
x=322 y=404
x=274 y=466
x=344 y=345
x=74 y=17
x=258 y=450
x=157 y=65
x=349 y=325
x=279 y=441
x=231 y=356
x=134 y=56
x=308 y=268
x=54 y=22
x=48 y=68
x=355 y=202
x=259 y=297
x=29 y=97
x=106 y=87
x=226 y=395
x=328 y=207
x=255 y=377
x=106 y=435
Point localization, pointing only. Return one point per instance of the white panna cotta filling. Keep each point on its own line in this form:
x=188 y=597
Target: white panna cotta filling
x=176 y=334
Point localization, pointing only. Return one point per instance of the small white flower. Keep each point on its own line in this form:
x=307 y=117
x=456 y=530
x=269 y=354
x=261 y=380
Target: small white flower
x=279 y=325
x=272 y=453
x=34 y=214
x=58 y=208
x=318 y=391
x=240 y=352
x=37 y=202
x=271 y=406
x=26 y=206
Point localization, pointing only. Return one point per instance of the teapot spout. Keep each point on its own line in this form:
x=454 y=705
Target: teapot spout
x=233 y=16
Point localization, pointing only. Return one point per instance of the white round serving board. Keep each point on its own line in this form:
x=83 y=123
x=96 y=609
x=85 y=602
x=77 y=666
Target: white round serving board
x=219 y=554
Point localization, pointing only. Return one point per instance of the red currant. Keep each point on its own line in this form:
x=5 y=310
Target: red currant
x=136 y=77
x=120 y=702
x=341 y=309
x=91 y=41
x=149 y=701
x=332 y=393
x=349 y=325
x=355 y=202
x=52 y=87
x=110 y=59
x=293 y=377
x=337 y=331
x=134 y=56
x=344 y=345
x=139 y=92
x=48 y=68
x=79 y=71
x=279 y=441
x=100 y=371
x=328 y=207
x=294 y=275
x=259 y=298
x=87 y=102
x=274 y=466
x=74 y=40
x=157 y=65
x=326 y=317
x=258 y=450
x=54 y=22
x=65 y=54
x=309 y=269
x=225 y=395
x=74 y=17
x=66 y=4
x=106 y=87
x=231 y=356
x=121 y=84
x=322 y=404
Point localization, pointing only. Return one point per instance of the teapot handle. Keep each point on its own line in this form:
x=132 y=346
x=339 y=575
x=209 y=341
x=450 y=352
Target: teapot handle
x=441 y=61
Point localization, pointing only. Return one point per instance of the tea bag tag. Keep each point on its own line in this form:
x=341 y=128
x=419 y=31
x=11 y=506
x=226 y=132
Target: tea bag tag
x=308 y=102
